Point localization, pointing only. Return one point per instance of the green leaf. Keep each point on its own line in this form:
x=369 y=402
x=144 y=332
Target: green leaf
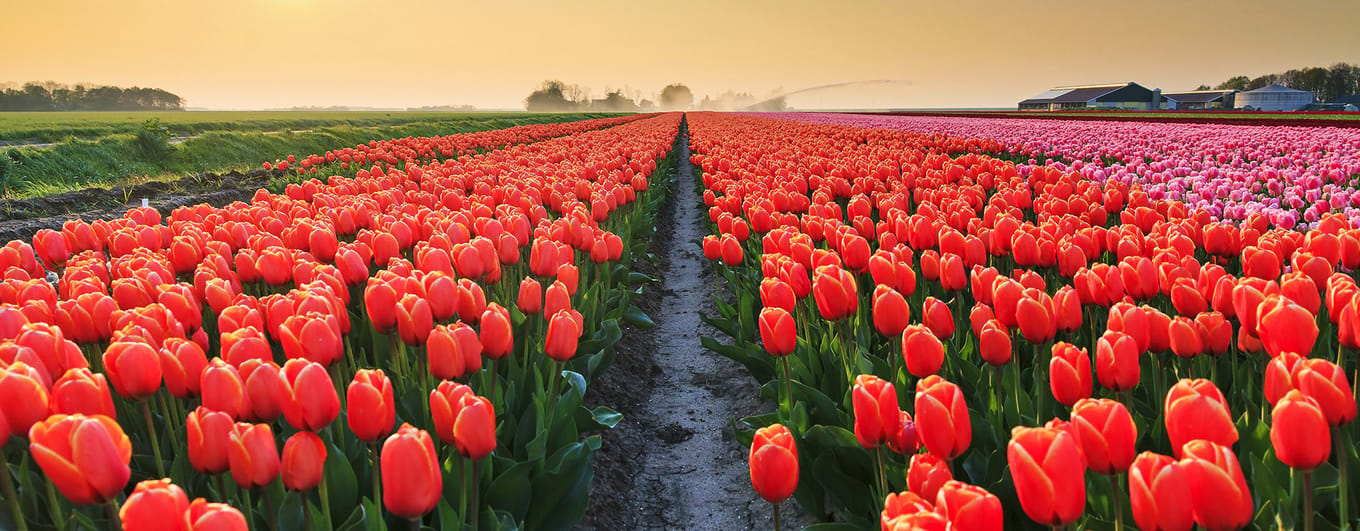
x=340 y=480
x=638 y=319
x=560 y=493
x=357 y=521
x=511 y=490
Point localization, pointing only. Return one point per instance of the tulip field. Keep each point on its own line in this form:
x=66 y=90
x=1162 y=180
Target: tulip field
x=955 y=323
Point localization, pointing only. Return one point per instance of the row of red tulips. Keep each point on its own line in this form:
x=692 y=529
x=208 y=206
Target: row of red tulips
x=171 y=353
x=1213 y=359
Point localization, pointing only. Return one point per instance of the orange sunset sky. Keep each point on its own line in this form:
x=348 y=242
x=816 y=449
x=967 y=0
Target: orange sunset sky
x=251 y=54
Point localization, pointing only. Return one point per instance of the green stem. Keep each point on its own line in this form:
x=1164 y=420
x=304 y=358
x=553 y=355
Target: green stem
x=323 y=492
x=495 y=379
x=1118 y=505
x=169 y=418
x=552 y=398
x=1342 y=487
x=788 y=391
x=462 y=492
x=155 y=440
x=415 y=524
x=1040 y=390
x=1308 y=501
x=882 y=476
x=778 y=526
x=111 y=512
x=475 y=488
x=376 y=472
x=55 y=503
x=272 y=516
x=249 y=509
x=14 y=509
x=221 y=481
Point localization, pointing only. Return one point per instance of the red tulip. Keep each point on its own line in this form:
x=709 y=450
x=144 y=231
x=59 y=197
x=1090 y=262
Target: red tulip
x=1048 y=471
x=1299 y=432
x=1279 y=379
x=922 y=351
x=453 y=351
x=731 y=250
x=1131 y=320
x=942 y=417
x=1187 y=298
x=497 y=334
x=1218 y=491
x=1159 y=493
x=1326 y=383
x=530 y=296
x=1035 y=319
x=134 y=367
x=224 y=390
x=51 y=248
x=775 y=293
x=935 y=315
x=313 y=337
x=264 y=394
x=1069 y=374
x=380 y=299
x=774 y=463
x=253 y=455
x=1196 y=409
x=414 y=319
x=778 y=333
x=1105 y=432
x=900 y=509
x=926 y=474
x=209 y=436
x=877 y=417
x=204 y=516
x=310 y=402
x=370 y=407
x=411 y=477
x=182 y=364
x=1117 y=361
x=304 y=458
x=903 y=438
x=1284 y=326
x=155 y=504
x=563 y=333
x=84 y=392
x=1186 y=340
x=994 y=343
x=890 y=309
x=835 y=292
x=85 y=457
x=474 y=428
x=243 y=344
x=969 y=507
x=555 y=299
x=1067 y=309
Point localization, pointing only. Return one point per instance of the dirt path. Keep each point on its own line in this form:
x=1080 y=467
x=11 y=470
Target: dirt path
x=675 y=454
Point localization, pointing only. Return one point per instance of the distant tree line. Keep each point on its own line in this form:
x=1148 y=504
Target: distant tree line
x=1327 y=84
x=556 y=96
x=52 y=96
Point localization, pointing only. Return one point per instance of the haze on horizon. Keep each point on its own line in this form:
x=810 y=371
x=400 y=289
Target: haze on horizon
x=253 y=54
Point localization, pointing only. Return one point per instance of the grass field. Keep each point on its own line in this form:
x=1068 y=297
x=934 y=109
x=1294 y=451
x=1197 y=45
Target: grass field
x=48 y=127
x=99 y=149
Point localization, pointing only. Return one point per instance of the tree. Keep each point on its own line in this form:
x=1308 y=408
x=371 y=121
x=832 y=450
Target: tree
x=1234 y=83
x=676 y=96
x=554 y=96
x=1203 y=87
x=1261 y=81
x=615 y=101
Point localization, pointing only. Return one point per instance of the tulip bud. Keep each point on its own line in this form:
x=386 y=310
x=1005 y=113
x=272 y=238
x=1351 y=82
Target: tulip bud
x=309 y=400
x=926 y=474
x=1284 y=326
x=411 y=477
x=1326 y=383
x=530 y=296
x=313 y=337
x=1048 y=471
x=370 y=405
x=968 y=506
x=900 y=511
x=1159 y=493
x=84 y=392
x=497 y=334
x=85 y=457
x=1196 y=409
x=564 y=331
x=253 y=455
x=209 y=437
x=155 y=504
x=1069 y=374
x=1218 y=491
x=994 y=343
x=774 y=463
x=1117 y=362
x=134 y=367
x=922 y=351
x=1299 y=432
x=942 y=417
x=891 y=312
x=876 y=413
x=778 y=333
x=936 y=316
x=1105 y=432
x=304 y=459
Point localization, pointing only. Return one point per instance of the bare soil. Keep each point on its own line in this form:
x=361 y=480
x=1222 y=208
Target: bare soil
x=674 y=461
x=20 y=218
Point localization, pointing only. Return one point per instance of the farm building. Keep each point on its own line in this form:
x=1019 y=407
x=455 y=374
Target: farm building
x=1127 y=96
x=1199 y=99
x=1273 y=98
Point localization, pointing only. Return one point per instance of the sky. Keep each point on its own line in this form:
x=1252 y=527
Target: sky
x=255 y=54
